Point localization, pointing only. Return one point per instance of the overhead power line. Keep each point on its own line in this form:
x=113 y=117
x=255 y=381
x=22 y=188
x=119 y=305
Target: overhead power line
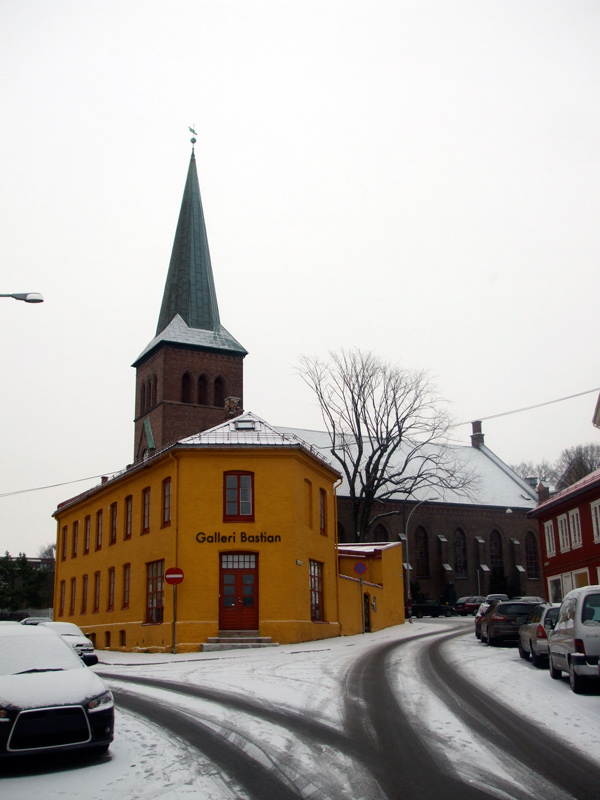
x=456 y=425
x=526 y=408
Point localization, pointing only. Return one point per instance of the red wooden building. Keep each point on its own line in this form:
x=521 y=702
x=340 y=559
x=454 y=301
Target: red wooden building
x=569 y=526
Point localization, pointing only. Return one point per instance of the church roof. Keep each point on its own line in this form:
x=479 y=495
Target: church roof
x=189 y=314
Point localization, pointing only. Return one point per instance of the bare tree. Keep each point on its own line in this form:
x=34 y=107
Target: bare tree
x=387 y=426
x=575 y=463
x=543 y=471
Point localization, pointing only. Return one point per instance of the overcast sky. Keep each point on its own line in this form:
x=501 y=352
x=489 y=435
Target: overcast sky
x=419 y=179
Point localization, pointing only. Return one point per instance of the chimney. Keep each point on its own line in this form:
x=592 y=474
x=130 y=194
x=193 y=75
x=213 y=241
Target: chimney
x=543 y=493
x=477 y=435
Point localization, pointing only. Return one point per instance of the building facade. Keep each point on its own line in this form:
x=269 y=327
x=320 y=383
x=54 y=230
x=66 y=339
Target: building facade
x=569 y=530
x=248 y=517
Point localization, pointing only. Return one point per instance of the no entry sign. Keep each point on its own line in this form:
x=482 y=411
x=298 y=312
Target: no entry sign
x=174 y=575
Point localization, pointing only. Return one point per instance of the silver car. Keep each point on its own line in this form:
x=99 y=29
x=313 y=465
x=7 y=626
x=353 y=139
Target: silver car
x=533 y=635
x=72 y=635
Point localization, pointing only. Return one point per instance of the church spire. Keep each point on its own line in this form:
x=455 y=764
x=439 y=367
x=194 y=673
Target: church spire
x=190 y=289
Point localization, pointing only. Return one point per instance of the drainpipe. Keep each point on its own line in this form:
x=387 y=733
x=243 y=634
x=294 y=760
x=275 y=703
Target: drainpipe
x=337 y=559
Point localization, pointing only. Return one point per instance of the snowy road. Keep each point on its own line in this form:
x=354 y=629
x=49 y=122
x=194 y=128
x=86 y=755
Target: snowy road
x=385 y=715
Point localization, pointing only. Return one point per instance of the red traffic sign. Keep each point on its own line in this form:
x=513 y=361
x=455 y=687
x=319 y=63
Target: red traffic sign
x=360 y=567
x=174 y=575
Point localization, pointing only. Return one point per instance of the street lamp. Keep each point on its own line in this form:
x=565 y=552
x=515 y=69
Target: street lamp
x=412 y=511
x=26 y=297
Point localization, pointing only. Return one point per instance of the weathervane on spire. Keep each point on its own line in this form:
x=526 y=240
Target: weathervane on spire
x=193 y=139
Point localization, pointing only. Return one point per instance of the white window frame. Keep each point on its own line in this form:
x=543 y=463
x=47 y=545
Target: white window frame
x=575 y=525
x=564 y=539
x=550 y=540
x=595 y=509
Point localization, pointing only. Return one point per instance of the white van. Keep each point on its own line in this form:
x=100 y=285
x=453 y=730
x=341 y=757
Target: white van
x=574 y=644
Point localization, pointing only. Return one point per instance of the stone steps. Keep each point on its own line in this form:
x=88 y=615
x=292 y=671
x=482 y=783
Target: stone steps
x=236 y=640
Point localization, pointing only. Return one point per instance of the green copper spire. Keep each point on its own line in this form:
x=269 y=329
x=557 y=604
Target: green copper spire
x=190 y=289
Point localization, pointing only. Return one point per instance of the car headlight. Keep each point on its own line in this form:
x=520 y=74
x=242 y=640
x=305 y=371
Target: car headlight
x=103 y=701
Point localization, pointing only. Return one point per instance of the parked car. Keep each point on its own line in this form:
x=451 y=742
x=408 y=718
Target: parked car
x=72 y=635
x=429 y=608
x=486 y=606
x=533 y=635
x=501 y=622
x=49 y=700
x=574 y=644
x=467 y=605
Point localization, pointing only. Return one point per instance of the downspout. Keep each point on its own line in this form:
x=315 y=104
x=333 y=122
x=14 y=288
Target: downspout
x=175 y=520
x=337 y=558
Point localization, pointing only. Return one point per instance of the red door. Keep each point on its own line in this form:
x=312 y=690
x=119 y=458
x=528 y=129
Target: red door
x=238 y=592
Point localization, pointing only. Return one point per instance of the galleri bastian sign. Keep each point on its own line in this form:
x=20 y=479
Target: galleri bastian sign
x=232 y=538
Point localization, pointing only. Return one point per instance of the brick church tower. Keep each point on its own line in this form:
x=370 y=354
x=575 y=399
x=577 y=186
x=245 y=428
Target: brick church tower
x=190 y=376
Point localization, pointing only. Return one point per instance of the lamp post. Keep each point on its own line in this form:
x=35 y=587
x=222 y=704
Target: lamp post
x=412 y=511
x=26 y=297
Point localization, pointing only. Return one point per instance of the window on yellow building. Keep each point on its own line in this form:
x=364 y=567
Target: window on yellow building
x=75 y=537
x=61 y=602
x=146 y=510
x=166 y=502
x=65 y=536
x=98 y=529
x=122 y=639
x=308 y=503
x=84 y=594
x=238 y=491
x=128 y=516
x=87 y=534
x=113 y=524
x=111 y=589
x=96 y=592
x=323 y=512
x=315 y=569
x=126 y=585
x=72 y=601
x=155 y=571
x=106 y=639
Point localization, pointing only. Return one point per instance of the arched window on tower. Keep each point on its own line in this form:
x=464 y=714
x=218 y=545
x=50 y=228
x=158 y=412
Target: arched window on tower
x=203 y=390
x=421 y=553
x=186 y=388
x=460 y=554
x=143 y=398
x=496 y=555
x=532 y=563
x=154 y=389
x=219 y=392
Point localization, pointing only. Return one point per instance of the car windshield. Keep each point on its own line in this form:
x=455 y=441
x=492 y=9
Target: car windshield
x=20 y=654
x=552 y=614
x=64 y=628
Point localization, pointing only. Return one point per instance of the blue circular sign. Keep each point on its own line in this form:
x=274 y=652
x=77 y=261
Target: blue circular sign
x=360 y=567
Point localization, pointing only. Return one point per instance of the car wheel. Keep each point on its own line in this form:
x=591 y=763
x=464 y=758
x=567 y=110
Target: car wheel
x=576 y=681
x=492 y=641
x=535 y=659
x=523 y=653
x=483 y=638
x=554 y=672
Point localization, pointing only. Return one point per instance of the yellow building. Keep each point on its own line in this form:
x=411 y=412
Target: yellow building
x=248 y=516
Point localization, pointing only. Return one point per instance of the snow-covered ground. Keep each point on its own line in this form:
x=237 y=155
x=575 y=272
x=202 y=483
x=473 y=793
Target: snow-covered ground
x=308 y=677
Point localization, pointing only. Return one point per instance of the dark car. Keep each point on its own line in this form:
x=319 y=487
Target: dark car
x=429 y=608
x=467 y=605
x=483 y=609
x=49 y=700
x=533 y=635
x=501 y=622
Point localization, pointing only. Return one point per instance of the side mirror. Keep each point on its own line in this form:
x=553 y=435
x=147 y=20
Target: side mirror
x=89 y=659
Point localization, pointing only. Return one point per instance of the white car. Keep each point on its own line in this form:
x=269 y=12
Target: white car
x=72 y=635
x=49 y=700
x=574 y=644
